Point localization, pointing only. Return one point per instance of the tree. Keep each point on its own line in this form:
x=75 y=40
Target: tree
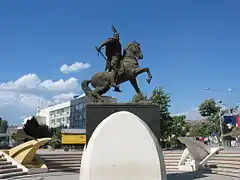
x=162 y=100
x=179 y=127
x=57 y=131
x=200 y=129
x=3 y=126
x=34 y=129
x=209 y=109
x=138 y=98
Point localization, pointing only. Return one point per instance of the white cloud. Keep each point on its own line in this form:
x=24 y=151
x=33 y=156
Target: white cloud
x=60 y=85
x=15 y=105
x=64 y=96
x=191 y=114
x=22 y=97
x=31 y=82
x=77 y=66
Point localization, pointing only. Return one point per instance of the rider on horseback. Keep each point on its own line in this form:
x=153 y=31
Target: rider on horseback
x=114 y=56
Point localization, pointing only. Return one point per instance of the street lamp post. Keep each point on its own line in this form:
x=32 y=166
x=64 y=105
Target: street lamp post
x=220 y=114
x=220 y=124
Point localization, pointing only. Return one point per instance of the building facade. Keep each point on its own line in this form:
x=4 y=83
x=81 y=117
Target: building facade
x=70 y=114
x=55 y=115
x=12 y=129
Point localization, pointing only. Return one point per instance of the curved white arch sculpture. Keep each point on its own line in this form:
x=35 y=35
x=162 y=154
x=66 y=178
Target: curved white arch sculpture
x=199 y=152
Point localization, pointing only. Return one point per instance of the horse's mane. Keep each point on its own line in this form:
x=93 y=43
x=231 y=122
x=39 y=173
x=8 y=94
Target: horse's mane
x=128 y=45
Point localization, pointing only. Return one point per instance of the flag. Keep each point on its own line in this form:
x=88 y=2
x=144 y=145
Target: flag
x=229 y=120
x=238 y=121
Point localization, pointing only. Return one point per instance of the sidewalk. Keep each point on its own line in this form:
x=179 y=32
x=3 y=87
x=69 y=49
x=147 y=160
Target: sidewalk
x=170 y=176
x=49 y=176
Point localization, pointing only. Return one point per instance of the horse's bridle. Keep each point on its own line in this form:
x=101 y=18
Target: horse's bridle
x=129 y=45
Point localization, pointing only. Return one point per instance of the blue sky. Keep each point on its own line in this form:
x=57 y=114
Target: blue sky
x=189 y=45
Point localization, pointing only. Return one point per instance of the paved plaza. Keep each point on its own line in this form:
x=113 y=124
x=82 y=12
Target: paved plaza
x=171 y=176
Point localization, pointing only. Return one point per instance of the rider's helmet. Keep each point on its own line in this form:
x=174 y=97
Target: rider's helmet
x=116 y=35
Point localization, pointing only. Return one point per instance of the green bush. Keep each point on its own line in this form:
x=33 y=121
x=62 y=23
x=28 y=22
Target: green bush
x=55 y=142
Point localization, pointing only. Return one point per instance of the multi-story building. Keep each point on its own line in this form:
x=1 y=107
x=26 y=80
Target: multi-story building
x=12 y=129
x=70 y=114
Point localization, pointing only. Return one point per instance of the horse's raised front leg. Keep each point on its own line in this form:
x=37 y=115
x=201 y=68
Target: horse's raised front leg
x=134 y=83
x=142 y=70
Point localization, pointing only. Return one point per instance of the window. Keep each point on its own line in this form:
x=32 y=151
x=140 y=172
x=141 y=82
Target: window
x=58 y=120
x=81 y=106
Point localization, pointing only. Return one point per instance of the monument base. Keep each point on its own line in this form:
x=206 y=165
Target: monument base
x=105 y=157
x=149 y=113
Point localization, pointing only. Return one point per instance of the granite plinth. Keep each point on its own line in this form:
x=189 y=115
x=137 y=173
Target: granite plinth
x=149 y=113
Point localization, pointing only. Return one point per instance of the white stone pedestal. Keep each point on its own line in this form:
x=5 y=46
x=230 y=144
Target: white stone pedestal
x=122 y=147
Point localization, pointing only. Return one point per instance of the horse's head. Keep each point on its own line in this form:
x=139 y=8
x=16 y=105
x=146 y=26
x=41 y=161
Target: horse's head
x=133 y=49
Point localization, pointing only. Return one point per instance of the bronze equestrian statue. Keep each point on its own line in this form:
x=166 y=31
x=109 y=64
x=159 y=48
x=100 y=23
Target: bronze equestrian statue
x=102 y=81
x=113 y=53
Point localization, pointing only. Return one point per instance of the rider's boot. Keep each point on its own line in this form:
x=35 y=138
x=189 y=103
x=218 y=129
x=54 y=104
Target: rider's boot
x=115 y=85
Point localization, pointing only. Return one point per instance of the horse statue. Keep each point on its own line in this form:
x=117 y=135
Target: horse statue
x=102 y=81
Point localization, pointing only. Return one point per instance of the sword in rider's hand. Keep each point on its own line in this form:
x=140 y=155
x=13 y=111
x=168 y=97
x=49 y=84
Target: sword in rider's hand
x=100 y=52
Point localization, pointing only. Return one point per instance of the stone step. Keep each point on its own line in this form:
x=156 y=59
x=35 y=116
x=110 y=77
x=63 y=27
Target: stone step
x=227 y=174
x=60 y=156
x=2 y=163
x=171 y=167
x=57 y=166
x=63 y=154
x=7 y=166
x=3 y=159
x=58 y=159
x=171 y=164
x=172 y=155
x=229 y=152
x=225 y=158
x=12 y=174
x=171 y=160
x=73 y=169
x=173 y=151
x=232 y=166
x=63 y=162
x=173 y=171
x=4 y=171
x=228 y=155
x=224 y=162
x=226 y=170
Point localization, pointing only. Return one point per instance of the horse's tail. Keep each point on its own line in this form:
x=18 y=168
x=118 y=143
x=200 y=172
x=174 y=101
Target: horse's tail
x=86 y=89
